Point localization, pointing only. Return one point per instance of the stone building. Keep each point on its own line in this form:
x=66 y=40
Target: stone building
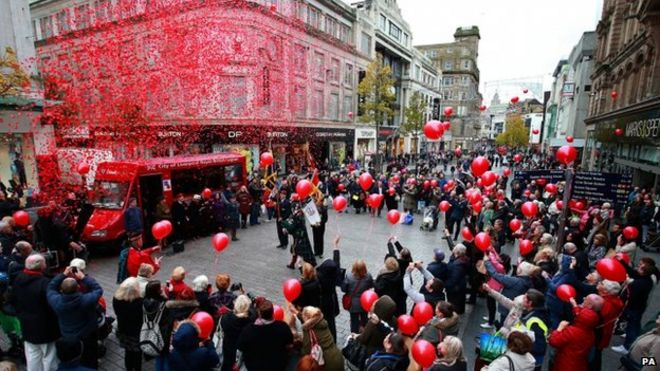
x=460 y=84
x=626 y=92
x=160 y=78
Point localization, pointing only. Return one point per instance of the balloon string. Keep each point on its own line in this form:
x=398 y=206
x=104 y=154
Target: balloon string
x=337 y=224
x=217 y=255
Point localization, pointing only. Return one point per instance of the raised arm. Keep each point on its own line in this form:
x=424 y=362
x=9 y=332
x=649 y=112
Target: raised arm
x=410 y=290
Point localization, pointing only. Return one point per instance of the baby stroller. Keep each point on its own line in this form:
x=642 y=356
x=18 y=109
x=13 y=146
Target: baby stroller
x=427 y=219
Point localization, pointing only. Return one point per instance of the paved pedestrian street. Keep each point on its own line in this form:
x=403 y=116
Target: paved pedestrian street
x=261 y=268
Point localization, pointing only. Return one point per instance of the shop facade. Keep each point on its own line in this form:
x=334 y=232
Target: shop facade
x=635 y=151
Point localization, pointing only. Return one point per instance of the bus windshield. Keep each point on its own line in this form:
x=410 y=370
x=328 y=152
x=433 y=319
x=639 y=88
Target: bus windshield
x=109 y=194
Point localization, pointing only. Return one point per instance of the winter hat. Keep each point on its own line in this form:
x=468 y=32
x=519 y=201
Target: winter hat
x=439 y=254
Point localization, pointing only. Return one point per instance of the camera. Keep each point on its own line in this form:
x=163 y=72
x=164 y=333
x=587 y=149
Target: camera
x=236 y=286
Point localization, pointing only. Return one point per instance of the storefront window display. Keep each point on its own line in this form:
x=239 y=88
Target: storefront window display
x=337 y=154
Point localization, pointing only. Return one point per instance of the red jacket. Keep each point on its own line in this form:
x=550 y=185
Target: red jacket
x=575 y=341
x=612 y=308
x=137 y=257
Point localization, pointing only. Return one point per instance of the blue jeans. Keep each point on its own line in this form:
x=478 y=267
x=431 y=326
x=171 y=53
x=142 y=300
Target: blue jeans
x=633 y=328
x=254 y=213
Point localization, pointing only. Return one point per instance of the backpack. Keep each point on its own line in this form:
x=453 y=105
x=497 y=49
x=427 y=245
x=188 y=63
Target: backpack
x=122 y=271
x=151 y=339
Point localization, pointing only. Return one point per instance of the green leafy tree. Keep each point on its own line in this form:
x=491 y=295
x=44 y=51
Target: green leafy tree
x=414 y=115
x=376 y=92
x=516 y=134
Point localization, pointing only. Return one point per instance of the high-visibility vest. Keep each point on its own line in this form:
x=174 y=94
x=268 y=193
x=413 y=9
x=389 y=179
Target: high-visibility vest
x=535 y=321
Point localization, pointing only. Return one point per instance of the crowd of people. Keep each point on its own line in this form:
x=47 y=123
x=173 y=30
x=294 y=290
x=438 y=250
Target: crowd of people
x=61 y=320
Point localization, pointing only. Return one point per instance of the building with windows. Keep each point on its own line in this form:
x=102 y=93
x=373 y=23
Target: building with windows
x=156 y=78
x=460 y=84
x=495 y=115
x=626 y=93
x=570 y=93
x=385 y=34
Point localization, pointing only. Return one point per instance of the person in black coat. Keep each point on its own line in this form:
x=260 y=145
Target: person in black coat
x=128 y=304
x=318 y=230
x=329 y=275
x=232 y=325
x=38 y=320
x=179 y=217
x=311 y=288
x=456 y=283
x=282 y=213
x=636 y=295
x=438 y=267
x=153 y=307
x=389 y=281
x=404 y=257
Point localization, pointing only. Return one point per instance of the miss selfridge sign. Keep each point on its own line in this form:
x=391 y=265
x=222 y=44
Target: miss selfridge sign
x=645 y=128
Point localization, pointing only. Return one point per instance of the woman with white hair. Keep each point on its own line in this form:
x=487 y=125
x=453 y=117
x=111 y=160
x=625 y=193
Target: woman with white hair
x=456 y=283
x=127 y=304
x=450 y=356
x=232 y=324
x=202 y=290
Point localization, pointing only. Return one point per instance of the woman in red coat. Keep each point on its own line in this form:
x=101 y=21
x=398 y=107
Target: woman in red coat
x=573 y=342
x=137 y=256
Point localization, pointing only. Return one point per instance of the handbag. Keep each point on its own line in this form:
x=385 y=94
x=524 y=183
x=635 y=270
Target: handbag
x=316 y=352
x=491 y=346
x=347 y=299
x=355 y=353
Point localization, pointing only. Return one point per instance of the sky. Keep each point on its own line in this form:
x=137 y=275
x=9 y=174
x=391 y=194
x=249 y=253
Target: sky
x=519 y=38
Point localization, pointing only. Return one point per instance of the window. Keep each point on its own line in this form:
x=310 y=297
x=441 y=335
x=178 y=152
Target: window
x=317 y=104
x=265 y=87
x=587 y=88
x=365 y=43
x=447 y=95
x=344 y=34
x=448 y=81
x=63 y=21
x=462 y=95
x=383 y=22
x=466 y=64
x=101 y=8
x=465 y=51
x=347 y=107
x=331 y=26
x=301 y=11
x=313 y=16
x=46 y=24
x=395 y=31
x=333 y=109
x=465 y=80
x=318 y=65
x=82 y=16
x=405 y=39
x=348 y=75
x=450 y=51
x=301 y=60
x=334 y=70
x=417 y=72
x=448 y=65
x=301 y=101
x=237 y=95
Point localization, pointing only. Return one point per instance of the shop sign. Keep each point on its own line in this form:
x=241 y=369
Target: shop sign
x=169 y=134
x=568 y=90
x=277 y=134
x=645 y=128
x=330 y=134
x=365 y=133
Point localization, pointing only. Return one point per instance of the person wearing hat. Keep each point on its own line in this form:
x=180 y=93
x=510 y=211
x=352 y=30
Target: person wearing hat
x=137 y=255
x=189 y=352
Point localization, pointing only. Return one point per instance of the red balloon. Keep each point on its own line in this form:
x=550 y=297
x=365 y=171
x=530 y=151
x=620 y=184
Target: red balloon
x=566 y=292
x=517 y=157
x=21 y=218
x=535 y=131
x=391 y=191
x=473 y=196
x=541 y=181
x=295 y=197
x=527 y=193
x=488 y=178
x=477 y=206
x=450 y=184
x=560 y=204
x=446 y=125
x=366 y=181
x=266 y=159
x=482 y=241
x=515 y=99
x=618 y=132
x=480 y=165
x=393 y=216
x=432 y=130
x=482 y=107
x=396 y=179
x=423 y=353
x=350 y=115
x=611 y=269
x=506 y=171
x=341 y=187
x=614 y=94
x=304 y=188
x=630 y=233
x=579 y=205
x=514 y=225
x=278 y=313
x=407 y=324
x=525 y=90
x=551 y=188
x=291 y=289
x=623 y=256
x=83 y=168
x=220 y=242
x=526 y=247
x=569 y=139
x=161 y=229
x=374 y=200
x=339 y=203
x=423 y=312
x=458 y=152
x=566 y=154
x=205 y=323
x=501 y=150
x=434 y=183
x=529 y=209
x=444 y=206
x=426 y=184
x=207 y=193
x=467 y=234
x=367 y=299
x=448 y=111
